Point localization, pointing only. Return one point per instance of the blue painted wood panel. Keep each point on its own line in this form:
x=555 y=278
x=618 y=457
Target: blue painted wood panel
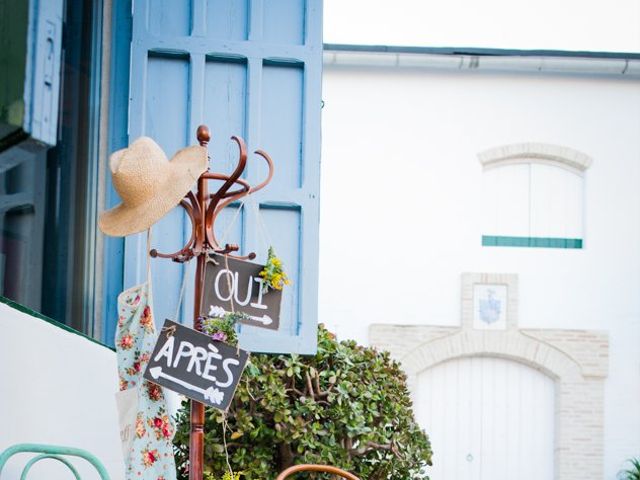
x=42 y=70
x=283 y=21
x=166 y=122
x=227 y=19
x=282 y=121
x=225 y=95
x=168 y=17
x=249 y=68
x=113 y=257
x=283 y=231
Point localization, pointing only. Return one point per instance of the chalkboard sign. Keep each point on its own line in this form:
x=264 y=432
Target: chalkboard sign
x=230 y=280
x=191 y=363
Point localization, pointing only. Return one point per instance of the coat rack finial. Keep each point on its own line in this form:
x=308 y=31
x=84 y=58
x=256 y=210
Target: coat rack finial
x=204 y=135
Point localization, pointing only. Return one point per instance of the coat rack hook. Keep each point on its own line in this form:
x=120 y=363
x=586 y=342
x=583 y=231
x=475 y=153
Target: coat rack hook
x=203 y=207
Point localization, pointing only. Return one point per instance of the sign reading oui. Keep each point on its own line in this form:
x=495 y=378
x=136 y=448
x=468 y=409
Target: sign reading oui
x=191 y=363
x=228 y=280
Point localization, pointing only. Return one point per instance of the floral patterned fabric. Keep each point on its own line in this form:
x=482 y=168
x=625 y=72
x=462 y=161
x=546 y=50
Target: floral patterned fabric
x=150 y=455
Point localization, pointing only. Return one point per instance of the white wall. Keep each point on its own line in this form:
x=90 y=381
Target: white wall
x=401 y=212
x=56 y=388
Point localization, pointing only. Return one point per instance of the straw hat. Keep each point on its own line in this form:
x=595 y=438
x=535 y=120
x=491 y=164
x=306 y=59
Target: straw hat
x=149 y=184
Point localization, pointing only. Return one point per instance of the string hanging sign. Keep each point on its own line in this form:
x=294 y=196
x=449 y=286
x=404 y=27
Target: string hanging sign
x=233 y=285
x=195 y=365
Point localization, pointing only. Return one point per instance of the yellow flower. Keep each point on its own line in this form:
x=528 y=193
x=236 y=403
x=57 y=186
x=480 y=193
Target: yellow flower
x=273 y=273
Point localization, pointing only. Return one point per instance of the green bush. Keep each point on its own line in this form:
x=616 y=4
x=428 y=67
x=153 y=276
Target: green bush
x=346 y=406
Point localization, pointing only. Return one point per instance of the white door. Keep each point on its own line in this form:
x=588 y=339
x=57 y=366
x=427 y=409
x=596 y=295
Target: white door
x=488 y=419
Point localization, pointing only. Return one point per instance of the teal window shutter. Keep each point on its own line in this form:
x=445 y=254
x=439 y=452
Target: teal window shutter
x=250 y=68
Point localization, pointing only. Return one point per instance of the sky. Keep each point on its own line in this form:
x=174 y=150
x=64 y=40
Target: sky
x=603 y=25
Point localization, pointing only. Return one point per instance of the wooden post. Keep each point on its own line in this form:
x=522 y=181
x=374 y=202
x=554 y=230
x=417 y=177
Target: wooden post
x=196 y=436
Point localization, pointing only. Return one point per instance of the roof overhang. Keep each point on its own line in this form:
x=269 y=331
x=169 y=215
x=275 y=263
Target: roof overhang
x=468 y=59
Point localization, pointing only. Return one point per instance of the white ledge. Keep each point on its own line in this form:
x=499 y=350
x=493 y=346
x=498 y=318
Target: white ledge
x=465 y=62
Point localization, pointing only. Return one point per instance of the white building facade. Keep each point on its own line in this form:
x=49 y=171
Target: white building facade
x=481 y=219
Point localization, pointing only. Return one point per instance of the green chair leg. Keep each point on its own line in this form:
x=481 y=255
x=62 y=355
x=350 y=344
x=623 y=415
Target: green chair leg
x=62 y=460
x=53 y=452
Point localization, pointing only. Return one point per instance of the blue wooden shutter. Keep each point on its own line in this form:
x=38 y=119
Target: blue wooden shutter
x=45 y=40
x=249 y=68
x=31 y=35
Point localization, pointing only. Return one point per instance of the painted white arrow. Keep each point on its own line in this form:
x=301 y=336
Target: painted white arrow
x=215 y=311
x=265 y=319
x=212 y=394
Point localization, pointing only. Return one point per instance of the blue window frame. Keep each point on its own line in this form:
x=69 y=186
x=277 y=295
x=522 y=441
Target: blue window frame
x=48 y=160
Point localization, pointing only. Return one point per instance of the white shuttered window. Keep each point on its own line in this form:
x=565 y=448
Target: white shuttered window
x=533 y=196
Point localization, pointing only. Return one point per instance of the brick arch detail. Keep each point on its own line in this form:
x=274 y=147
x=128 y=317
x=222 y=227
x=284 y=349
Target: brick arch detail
x=532 y=152
x=579 y=398
x=514 y=346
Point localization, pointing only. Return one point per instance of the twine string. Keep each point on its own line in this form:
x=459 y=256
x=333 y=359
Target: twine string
x=185 y=267
x=260 y=224
x=224 y=441
x=148 y=255
x=233 y=310
x=169 y=331
x=228 y=275
x=231 y=223
x=261 y=227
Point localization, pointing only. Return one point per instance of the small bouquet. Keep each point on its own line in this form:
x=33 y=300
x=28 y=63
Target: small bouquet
x=273 y=274
x=220 y=325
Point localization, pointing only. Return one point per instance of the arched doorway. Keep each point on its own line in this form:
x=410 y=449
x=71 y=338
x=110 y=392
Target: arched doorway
x=488 y=418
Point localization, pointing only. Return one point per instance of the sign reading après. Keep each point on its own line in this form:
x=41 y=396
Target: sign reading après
x=228 y=280
x=191 y=363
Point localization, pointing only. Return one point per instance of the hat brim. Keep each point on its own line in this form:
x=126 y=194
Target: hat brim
x=182 y=173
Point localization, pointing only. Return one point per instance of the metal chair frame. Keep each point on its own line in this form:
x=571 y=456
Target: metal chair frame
x=54 y=452
x=316 y=468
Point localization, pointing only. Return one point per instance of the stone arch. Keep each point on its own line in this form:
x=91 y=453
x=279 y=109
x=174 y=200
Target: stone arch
x=512 y=345
x=530 y=152
x=579 y=388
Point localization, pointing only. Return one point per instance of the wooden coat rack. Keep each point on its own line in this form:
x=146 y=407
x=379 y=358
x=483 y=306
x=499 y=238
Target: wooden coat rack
x=203 y=208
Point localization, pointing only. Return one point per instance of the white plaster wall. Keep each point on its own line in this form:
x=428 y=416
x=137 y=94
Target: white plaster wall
x=56 y=388
x=401 y=212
